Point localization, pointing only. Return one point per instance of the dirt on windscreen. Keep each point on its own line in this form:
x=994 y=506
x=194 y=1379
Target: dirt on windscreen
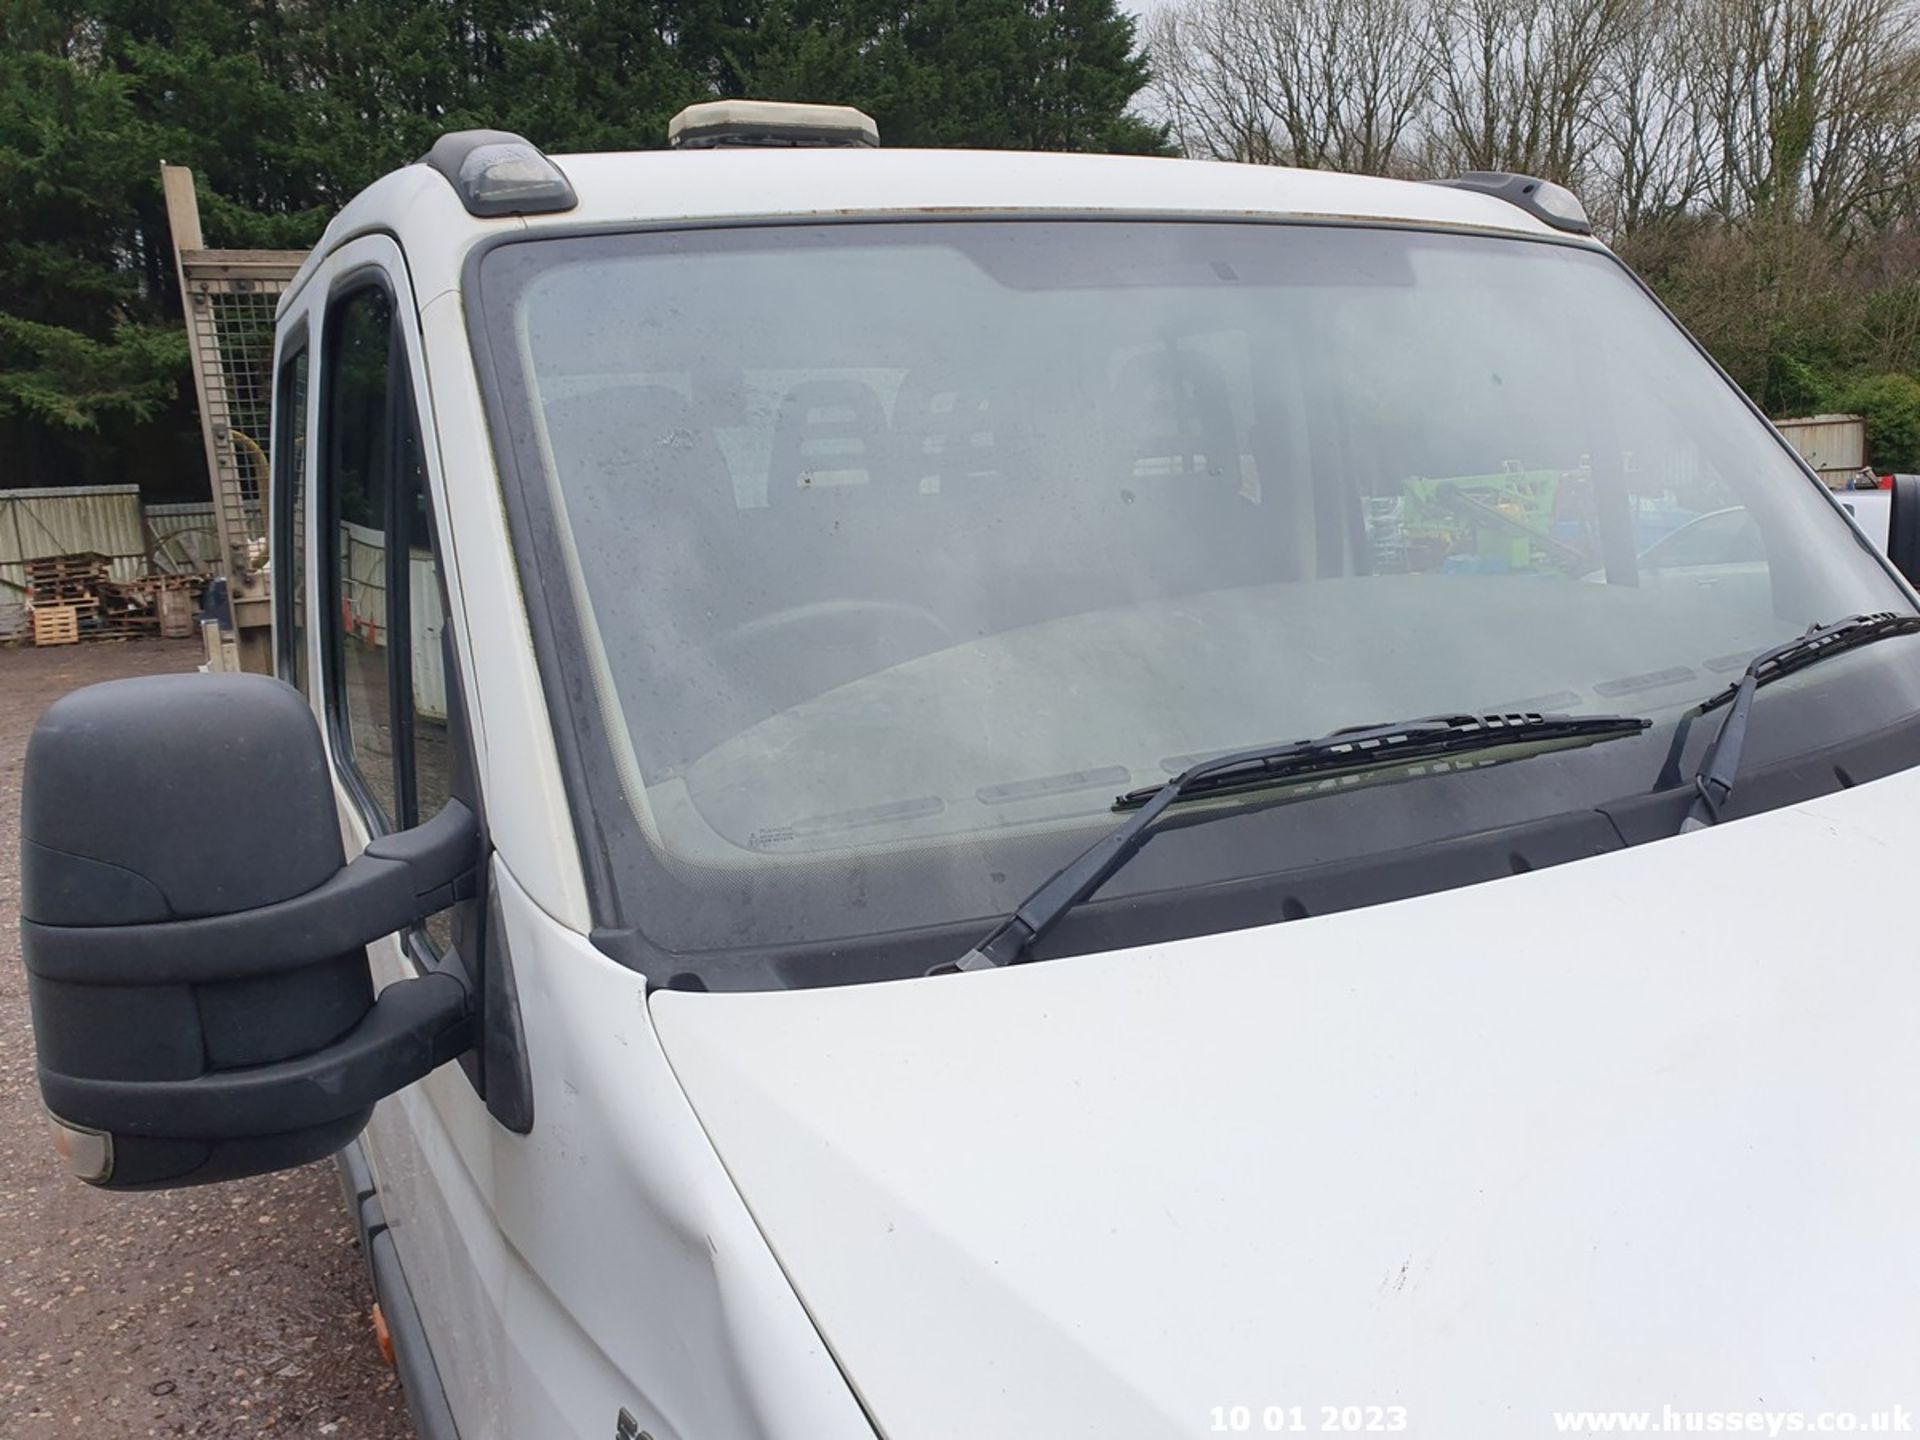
x=227 y=1311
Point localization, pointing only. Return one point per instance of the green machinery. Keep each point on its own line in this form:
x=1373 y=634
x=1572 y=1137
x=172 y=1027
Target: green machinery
x=1516 y=521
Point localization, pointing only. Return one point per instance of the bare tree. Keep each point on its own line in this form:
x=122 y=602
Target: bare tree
x=1645 y=165
x=1334 y=84
x=1520 y=81
x=1866 y=114
x=1810 y=106
x=1212 y=78
x=1741 y=113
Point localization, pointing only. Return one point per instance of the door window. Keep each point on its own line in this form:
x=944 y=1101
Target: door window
x=392 y=699
x=359 y=461
x=1725 y=537
x=387 y=683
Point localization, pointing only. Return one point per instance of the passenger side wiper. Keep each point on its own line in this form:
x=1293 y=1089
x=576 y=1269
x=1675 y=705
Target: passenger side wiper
x=1720 y=765
x=1356 y=749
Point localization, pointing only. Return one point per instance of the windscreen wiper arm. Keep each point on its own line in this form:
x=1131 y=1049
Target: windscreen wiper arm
x=1352 y=750
x=1720 y=765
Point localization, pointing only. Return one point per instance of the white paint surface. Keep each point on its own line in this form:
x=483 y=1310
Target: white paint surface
x=647 y=187
x=1641 y=1129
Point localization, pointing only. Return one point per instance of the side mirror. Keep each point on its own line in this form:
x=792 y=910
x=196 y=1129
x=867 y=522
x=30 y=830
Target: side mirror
x=1903 y=527
x=195 y=941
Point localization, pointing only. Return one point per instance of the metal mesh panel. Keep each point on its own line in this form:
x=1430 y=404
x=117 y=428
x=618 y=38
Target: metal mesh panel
x=230 y=297
x=231 y=322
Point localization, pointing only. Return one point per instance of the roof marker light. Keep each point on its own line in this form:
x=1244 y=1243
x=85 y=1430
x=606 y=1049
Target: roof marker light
x=495 y=172
x=720 y=123
x=1542 y=199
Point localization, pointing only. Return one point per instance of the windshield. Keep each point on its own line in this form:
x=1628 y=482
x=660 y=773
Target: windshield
x=895 y=551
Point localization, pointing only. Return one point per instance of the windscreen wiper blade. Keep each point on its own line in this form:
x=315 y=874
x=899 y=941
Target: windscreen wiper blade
x=1720 y=765
x=1368 y=747
x=1355 y=749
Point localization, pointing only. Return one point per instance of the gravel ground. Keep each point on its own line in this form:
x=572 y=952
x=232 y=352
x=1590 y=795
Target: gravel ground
x=230 y=1310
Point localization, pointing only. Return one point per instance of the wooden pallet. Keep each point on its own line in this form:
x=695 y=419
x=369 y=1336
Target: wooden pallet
x=141 y=590
x=66 y=582
x=52 y=569
x=126 y=627
x=90 y=604
x=184 y=580
x=55 y=625
x=63 y=594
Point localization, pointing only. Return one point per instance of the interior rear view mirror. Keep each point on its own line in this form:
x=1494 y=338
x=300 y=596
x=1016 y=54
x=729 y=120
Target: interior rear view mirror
x=195 y=940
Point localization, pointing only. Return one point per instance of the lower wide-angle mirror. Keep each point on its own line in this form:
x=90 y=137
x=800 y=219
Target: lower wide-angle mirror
x=195 y=941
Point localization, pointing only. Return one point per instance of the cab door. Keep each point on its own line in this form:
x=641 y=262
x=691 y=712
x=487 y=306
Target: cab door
x=362 y=627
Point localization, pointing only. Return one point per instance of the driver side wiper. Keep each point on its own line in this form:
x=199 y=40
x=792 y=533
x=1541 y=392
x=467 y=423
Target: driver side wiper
x=1355 y=749
x=1720 y=765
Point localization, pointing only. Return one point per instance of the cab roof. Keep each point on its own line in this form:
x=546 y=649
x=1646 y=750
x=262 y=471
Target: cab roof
x=640 y=188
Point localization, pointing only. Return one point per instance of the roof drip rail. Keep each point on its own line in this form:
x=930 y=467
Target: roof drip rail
x=1545 y=201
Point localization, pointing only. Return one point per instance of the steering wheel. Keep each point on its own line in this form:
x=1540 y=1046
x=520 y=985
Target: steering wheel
x=877 y=616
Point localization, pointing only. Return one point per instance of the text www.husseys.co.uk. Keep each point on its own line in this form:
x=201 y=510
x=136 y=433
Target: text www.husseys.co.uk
x=1668 y=1420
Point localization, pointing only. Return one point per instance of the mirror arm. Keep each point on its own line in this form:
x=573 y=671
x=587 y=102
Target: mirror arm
x=397 y=880
x=442 y=856
x=414 y=1027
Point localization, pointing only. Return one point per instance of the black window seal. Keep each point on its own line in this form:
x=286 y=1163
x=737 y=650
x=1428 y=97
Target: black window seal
x=403 y=425
x=553 y=616
x=463 y=781
x=293 y=348
x=402 y=410
x=357 y=281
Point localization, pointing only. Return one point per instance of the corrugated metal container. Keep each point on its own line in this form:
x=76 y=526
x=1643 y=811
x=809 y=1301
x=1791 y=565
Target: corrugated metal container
x=1835 y=445
x=65 y=521
x=429 y=675
x=363 y=585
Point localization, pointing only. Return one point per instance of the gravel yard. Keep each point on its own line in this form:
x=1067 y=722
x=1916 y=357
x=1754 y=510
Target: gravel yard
x=231 y=1310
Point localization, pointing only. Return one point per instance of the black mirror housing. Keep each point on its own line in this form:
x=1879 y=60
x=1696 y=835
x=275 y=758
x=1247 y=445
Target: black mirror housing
x=1903 y=527
x=195 y=941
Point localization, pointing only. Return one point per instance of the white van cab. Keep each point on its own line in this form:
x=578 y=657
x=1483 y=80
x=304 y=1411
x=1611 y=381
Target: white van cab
x=1007 y=796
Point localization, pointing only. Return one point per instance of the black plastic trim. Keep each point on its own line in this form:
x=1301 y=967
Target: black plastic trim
x=506 y=1079
x=1903 y=527
x=397 y=878
x=413 y=1028
x=450 y=152
x=339 y=730
x=403 y=423
x=412 y=1349
x=356 y=1178
x=759 y=135
x=295 y=344
x=1523 y=192
x=1295 y=894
